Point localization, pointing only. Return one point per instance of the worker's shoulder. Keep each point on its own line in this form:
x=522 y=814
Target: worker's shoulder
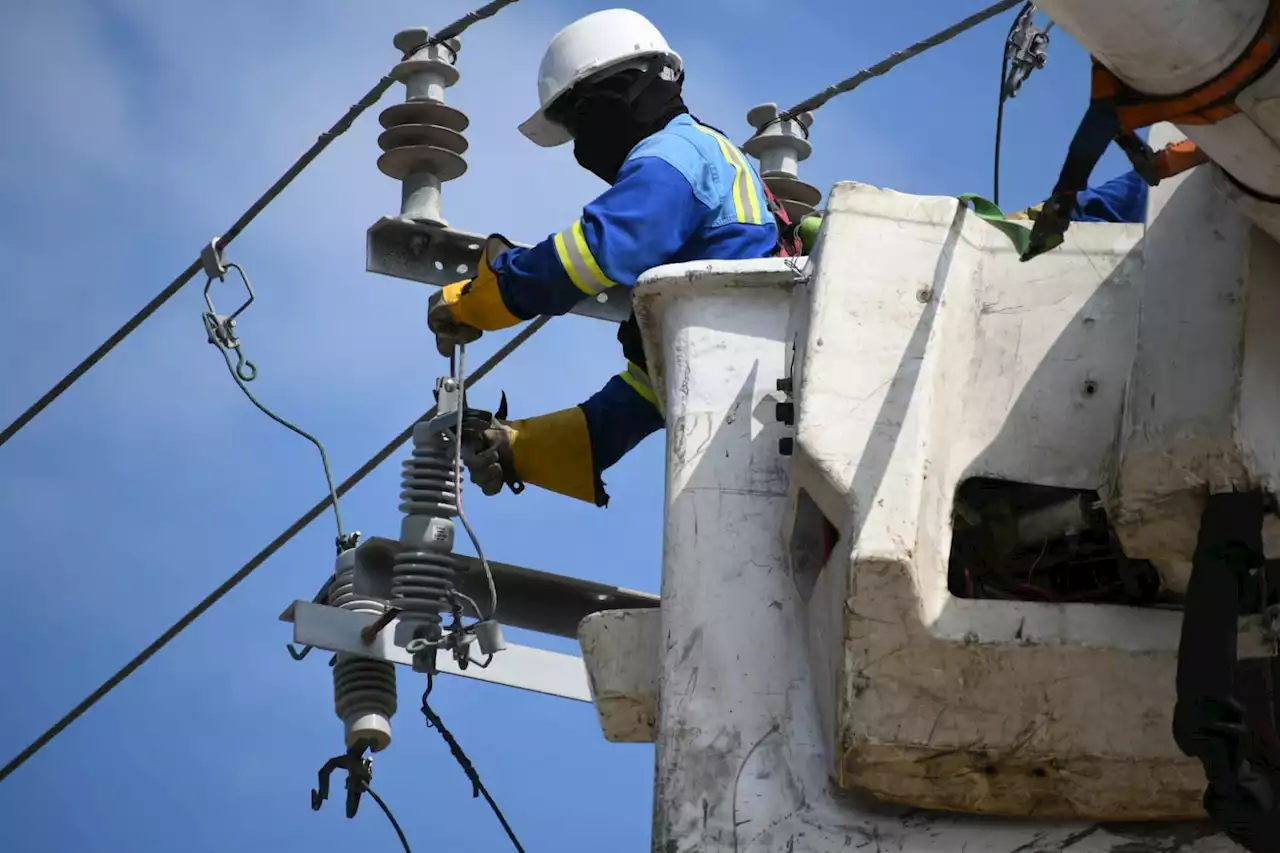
x=689 y=148
x=677 y=144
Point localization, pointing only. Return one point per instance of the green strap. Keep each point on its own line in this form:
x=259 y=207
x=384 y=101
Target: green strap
x=1019 y=235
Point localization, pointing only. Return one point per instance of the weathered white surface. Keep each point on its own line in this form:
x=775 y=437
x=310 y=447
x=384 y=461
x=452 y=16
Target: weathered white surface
x=620 y=649
x=927 y=354
x=1164 y=47
x=732 y=659
x=742 y=760
x=1204 y=392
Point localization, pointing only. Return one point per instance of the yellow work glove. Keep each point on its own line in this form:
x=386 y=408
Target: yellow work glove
x=551 y=451
x=448 y=331
x=487 y=454
x=460 y=312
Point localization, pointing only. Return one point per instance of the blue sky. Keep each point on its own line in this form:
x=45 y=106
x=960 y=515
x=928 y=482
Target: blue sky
x=136 y=130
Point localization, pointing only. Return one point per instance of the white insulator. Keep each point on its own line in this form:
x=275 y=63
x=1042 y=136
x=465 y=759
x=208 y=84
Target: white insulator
x=780 y=146
x=422 y=141
x=425 y=572
x=364 y=689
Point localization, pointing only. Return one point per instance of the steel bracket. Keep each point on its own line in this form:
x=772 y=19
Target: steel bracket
x=438 y=255
x=528 y=599
x=537 y=670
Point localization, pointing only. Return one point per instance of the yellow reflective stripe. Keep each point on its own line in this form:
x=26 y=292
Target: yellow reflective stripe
x=567 y=261
x=577 y=260
x=583 y=249
x=748 y=186
x=746 y=203
x=639 y=382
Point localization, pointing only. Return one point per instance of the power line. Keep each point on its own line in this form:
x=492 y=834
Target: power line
x=1024 y=49
x=322 y=142
x=250 y=567
x=995 y=160
x=895 y=59
x=1004 y=97
x=477 y=787
x=395 y=824
x=221 y=331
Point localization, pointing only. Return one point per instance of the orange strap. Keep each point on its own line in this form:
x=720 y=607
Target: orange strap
x=1177 y=157
x=1208 y=103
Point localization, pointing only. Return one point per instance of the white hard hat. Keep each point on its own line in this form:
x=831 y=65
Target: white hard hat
x=610 y=39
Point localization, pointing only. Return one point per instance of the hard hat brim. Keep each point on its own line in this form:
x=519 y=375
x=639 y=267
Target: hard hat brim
x=544 y=132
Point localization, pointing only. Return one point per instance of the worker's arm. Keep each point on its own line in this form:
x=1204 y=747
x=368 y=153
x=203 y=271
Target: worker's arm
x=618 y=417
x=1122 y=199
x=566 y=451
x=638 y=223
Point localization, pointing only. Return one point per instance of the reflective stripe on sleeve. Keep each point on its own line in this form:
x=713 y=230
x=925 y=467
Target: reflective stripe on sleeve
x=639 y=382
x=577 y=260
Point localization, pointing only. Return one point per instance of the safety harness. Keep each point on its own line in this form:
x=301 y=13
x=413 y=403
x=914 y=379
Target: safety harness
x=1238 y=754
x=789 y=245
x=1116 y=111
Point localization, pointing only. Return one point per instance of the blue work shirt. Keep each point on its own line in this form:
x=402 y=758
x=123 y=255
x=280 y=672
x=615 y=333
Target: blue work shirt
x=1122 y=199
x=684 y=193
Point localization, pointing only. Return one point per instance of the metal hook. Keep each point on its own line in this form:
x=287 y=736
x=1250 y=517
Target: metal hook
x=359 y=774
x=245 y=369
x=298 y=655
x=321 y=793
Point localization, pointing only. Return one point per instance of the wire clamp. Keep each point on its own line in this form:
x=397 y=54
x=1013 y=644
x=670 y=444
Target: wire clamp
x=448 y=396
x=213 y=259
x=1025 y=50
x=347 y=541
x=459 y=637
x=221 y=328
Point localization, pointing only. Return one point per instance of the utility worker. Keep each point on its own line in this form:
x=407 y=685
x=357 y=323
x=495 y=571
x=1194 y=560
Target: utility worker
x=679 y=191
x=1124 y=199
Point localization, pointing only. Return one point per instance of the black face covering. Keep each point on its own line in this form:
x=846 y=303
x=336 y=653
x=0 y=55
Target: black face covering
x=613 y=116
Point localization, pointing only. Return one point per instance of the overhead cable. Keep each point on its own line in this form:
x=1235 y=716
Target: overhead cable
x=458 y=367
x=322 y=142
x=1024 y=49
x=477 y=786
x=895 y=59
x=386 y=810
x=248 y=568
x=221 y=329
